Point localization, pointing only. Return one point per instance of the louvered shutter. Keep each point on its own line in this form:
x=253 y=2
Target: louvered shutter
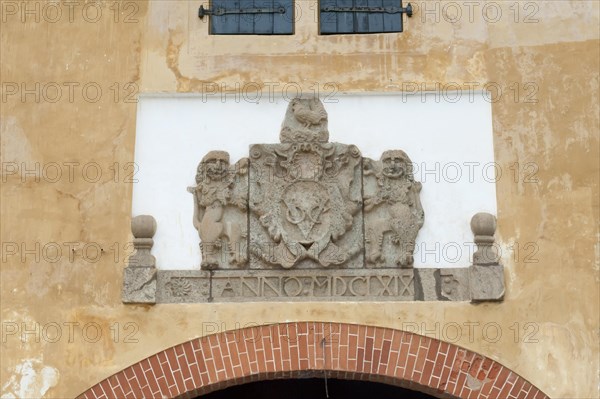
x=333 y=18
x=239 y=17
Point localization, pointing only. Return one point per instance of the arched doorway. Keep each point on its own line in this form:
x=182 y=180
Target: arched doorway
x=315 y=349
x=315 y=388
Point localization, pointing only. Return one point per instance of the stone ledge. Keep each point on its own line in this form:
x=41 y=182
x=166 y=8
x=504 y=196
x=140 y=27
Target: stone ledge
x=475 y=283
x=285 y=285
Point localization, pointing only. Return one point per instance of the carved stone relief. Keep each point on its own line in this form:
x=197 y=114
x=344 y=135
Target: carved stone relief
x=220 y=211
x=305 y=196
x=307 y=219
x=305 y=121
x=393 y=211
x=305 y=206
x=183 y=286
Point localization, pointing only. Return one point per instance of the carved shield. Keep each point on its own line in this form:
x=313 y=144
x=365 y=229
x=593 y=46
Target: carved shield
x=304 y=206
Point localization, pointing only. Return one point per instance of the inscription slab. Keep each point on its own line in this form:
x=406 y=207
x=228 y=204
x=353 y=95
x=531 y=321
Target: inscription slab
x=298 y=285
x=290 y=285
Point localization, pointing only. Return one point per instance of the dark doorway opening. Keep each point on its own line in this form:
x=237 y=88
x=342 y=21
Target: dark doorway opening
x=314 y=388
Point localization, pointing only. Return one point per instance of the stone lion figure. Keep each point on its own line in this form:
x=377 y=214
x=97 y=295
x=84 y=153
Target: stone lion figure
x=220 y=206
x=394 y=209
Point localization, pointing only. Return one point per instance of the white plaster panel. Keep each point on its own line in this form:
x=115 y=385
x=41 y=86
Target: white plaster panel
x=450 y=143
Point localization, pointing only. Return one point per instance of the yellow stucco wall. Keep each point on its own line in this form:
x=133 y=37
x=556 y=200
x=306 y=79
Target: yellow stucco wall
x=161 y=46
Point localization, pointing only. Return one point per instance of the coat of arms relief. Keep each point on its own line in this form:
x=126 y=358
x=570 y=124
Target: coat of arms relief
x=306 y=203
x=309 y=219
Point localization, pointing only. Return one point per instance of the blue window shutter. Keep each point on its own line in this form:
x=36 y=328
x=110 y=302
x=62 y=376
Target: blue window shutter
x=376 y=19
x=345 y=20
x=391 y=22
x=283 y=24
x=362 y=19
x=359 y=21
x=240 y=23
x=224 y=24
x=263 y=23
x=247 y=20
x=327 y=20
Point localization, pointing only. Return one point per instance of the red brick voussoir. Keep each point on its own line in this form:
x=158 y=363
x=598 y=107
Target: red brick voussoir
x=345 y=351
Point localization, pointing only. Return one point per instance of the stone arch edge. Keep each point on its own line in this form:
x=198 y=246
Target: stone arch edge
x=309 y=349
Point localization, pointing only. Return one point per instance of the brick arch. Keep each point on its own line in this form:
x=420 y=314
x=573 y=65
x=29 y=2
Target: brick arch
x=306 y=349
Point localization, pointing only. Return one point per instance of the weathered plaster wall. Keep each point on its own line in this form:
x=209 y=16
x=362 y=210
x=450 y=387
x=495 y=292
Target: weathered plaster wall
x=164 y=48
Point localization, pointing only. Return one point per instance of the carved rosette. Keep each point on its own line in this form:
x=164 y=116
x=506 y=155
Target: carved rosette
x=179 y=287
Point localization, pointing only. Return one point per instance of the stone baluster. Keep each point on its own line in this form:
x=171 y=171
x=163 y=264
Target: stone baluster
x=483 y=226
x=139 y=282
x=143 y=228
x=486 y=275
